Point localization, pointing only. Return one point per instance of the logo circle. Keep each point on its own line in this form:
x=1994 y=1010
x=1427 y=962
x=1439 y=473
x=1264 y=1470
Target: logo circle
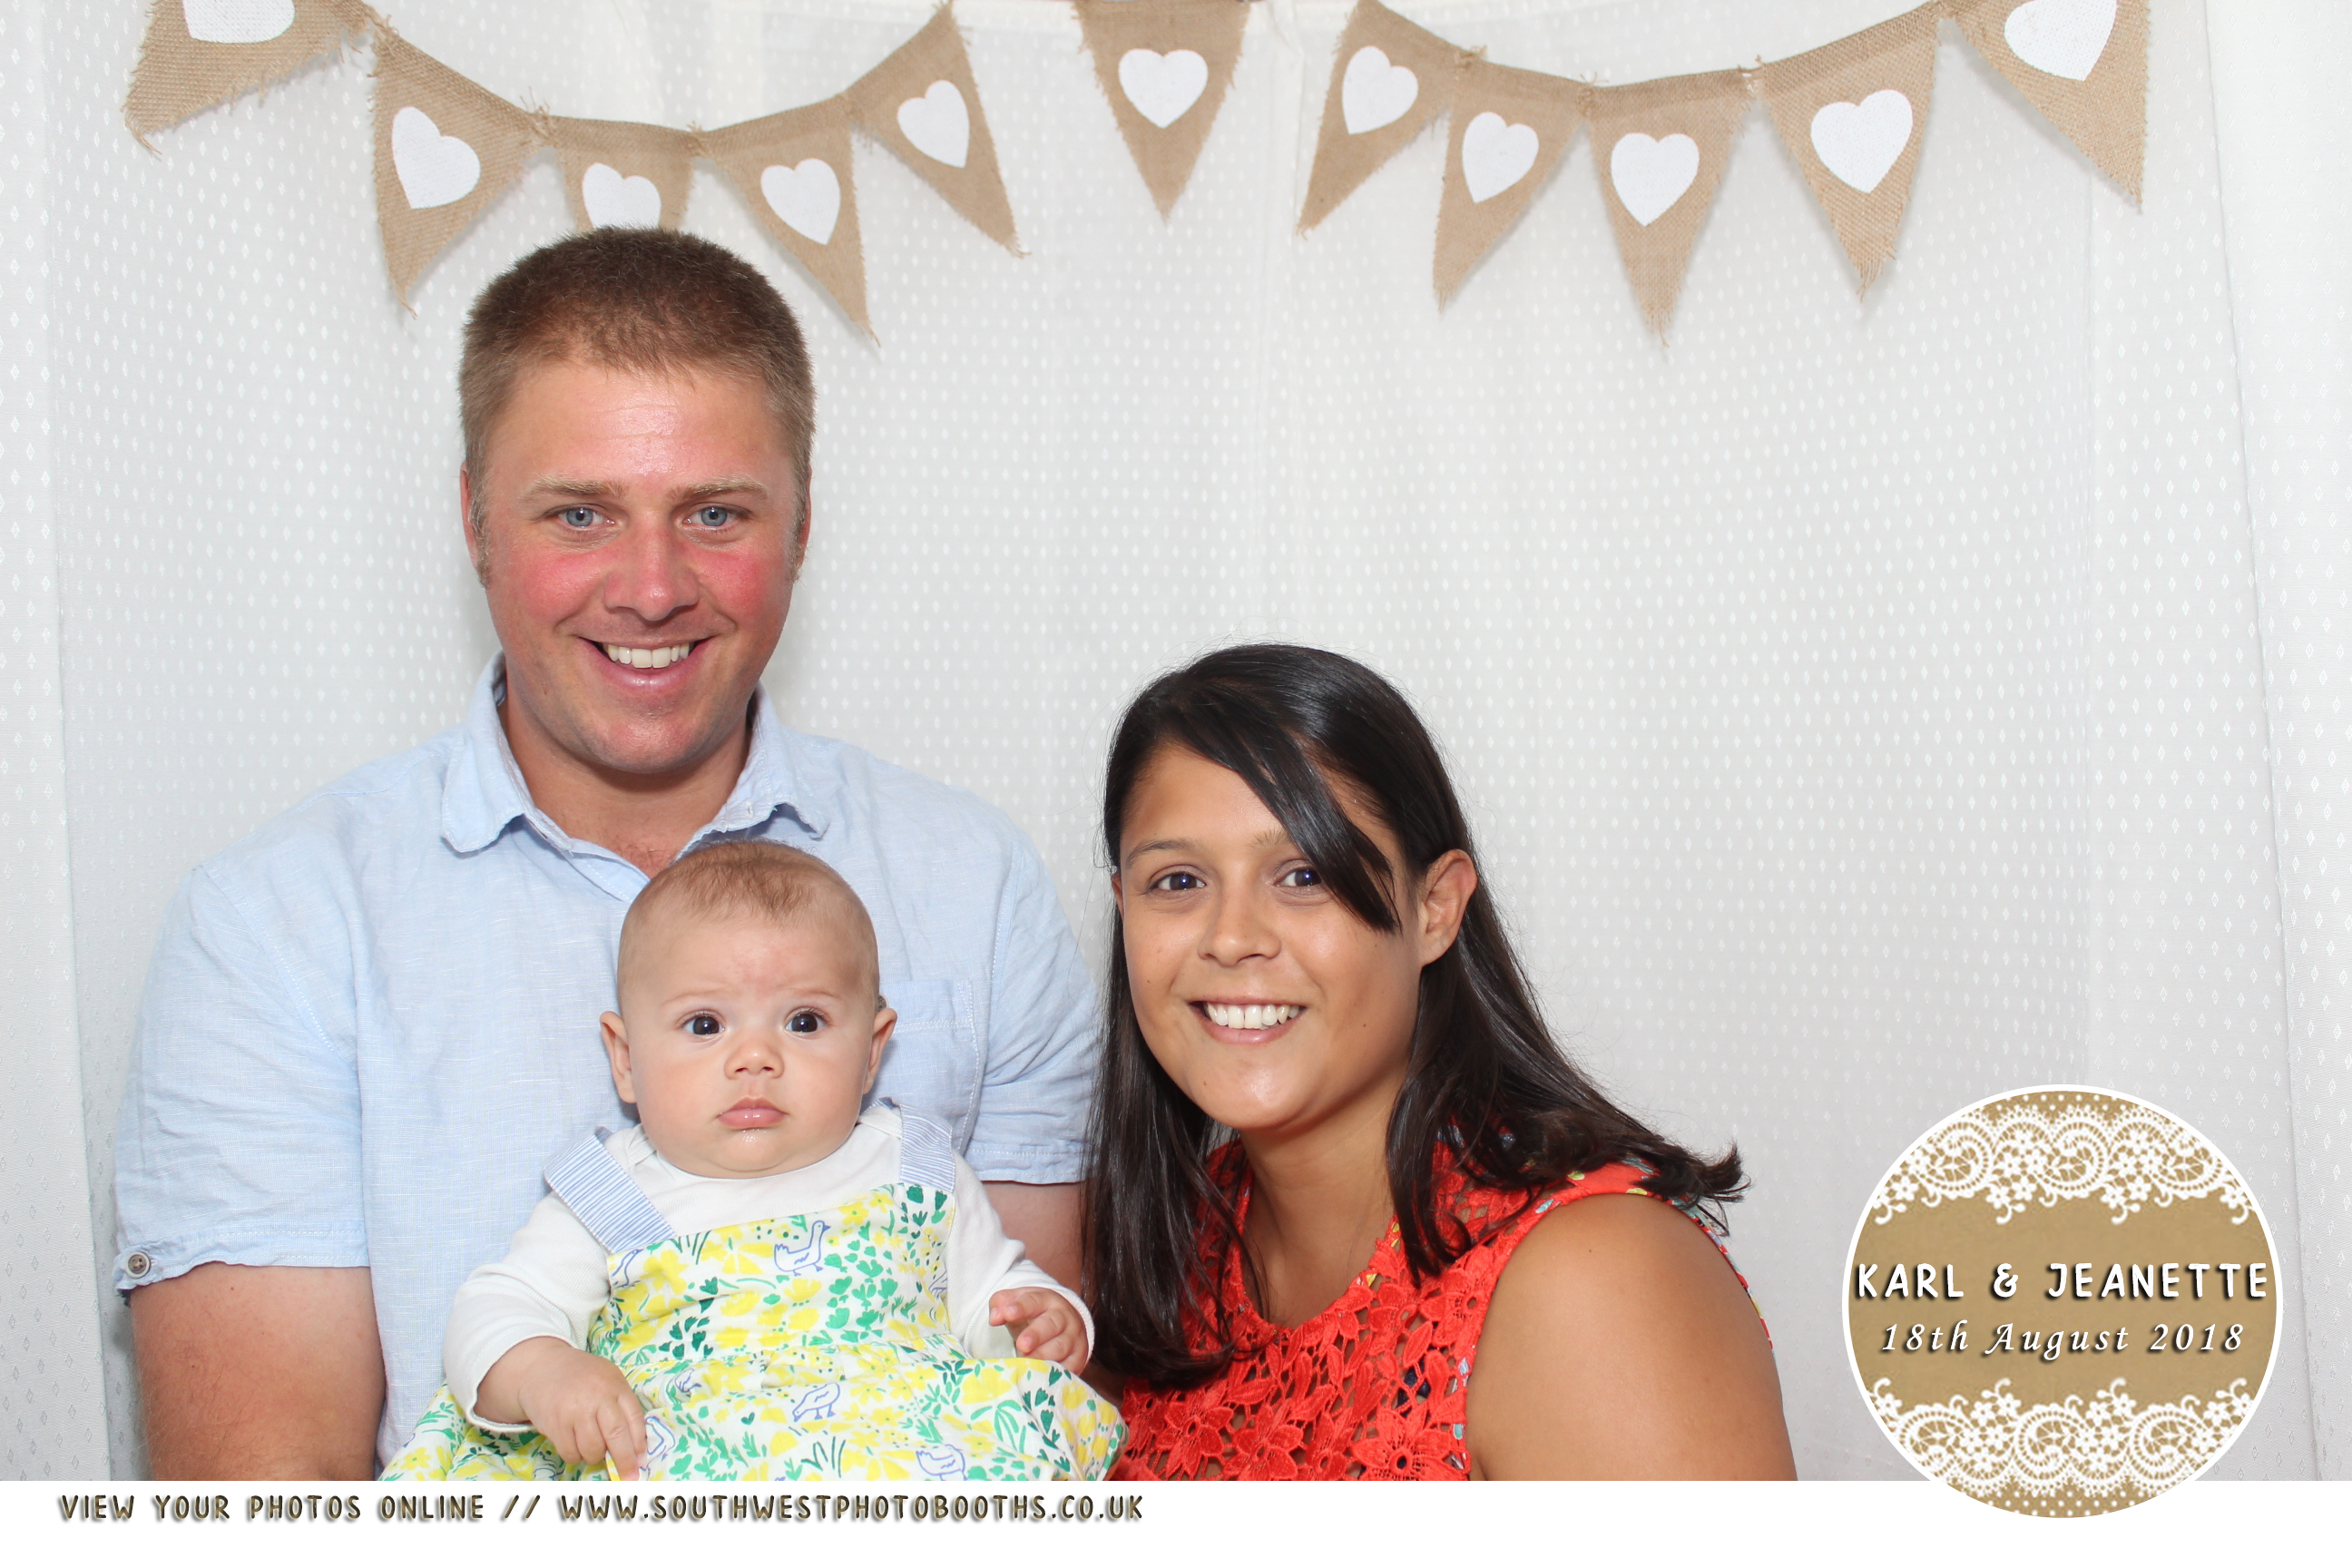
x=2061 y=1300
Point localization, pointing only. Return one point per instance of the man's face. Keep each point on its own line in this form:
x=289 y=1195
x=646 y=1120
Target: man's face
x=637 y=536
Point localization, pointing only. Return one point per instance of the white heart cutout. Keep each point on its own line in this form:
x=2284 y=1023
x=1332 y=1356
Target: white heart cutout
x=1650 y=176
x=2061 y=38
x=434 y=169
x=237 y=21
x=806 y=197
x=1162 y=86
x=1495 y=155
x=1375 y=94
x=939 y=124
x=618 y=201
x=1859 y=143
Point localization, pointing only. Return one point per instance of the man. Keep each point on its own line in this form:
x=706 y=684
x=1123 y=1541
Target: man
x=369 y=1025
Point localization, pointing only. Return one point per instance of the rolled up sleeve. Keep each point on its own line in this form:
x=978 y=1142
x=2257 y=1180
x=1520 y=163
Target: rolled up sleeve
x=1043 y=1020
x=240 y=1135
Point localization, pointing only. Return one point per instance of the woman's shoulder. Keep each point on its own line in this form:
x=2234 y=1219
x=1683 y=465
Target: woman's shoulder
x=1611 y=1297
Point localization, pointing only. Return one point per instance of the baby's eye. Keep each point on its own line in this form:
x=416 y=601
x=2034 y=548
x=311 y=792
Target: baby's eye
x=1300 y=876
x=805 y=1022
x=703 y=1025
x=1177 y=882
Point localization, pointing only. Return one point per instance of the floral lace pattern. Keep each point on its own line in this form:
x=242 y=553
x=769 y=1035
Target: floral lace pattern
x=2036 y=1150
x=1374 y=1386
x=2073 y=1456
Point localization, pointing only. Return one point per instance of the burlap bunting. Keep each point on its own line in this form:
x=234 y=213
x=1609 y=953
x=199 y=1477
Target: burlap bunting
x=618 y=174
x=923 y=105
x=1388 y=80
x=1510 y=129
x=2083 y=63
x=1661 y=147
x=1164 y=65
x=793 y=169
x=198 y=53
x=444 y=150
x=1851 y=114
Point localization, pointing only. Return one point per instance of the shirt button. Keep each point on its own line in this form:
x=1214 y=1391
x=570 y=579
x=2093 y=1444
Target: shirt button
x=137 y=1265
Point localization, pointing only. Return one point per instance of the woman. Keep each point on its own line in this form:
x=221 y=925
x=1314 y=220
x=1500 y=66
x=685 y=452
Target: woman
x=1430 y=1248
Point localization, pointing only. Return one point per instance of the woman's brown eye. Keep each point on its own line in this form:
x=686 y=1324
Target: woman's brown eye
x=1177 y=882
x=1302 y=876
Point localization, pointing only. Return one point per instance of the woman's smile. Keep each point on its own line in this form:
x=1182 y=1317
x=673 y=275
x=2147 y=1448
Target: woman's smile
x=1247 y=1023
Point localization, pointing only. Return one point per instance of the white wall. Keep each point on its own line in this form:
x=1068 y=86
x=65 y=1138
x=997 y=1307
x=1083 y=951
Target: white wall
x=1866 y=708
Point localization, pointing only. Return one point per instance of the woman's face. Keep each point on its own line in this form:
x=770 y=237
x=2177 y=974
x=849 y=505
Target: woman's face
x=1264 y=996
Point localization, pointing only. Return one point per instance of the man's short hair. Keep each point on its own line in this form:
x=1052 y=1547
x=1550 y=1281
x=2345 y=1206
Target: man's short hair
x=642 y=300
x=754 y=880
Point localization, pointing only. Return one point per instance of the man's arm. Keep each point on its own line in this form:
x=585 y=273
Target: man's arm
x=1044 y=1221
x=259 y=1373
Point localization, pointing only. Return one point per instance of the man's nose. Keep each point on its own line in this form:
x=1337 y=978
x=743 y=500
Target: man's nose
x=653 y=575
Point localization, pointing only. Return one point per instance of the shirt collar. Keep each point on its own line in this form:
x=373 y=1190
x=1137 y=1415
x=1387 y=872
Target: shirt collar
x=483 y=792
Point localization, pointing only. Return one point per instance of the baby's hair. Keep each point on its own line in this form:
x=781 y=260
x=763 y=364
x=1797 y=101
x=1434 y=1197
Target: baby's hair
x=762 y=881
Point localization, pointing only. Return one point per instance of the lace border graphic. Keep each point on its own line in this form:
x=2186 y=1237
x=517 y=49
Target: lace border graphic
x=2107 y=1450
x=2037 y=1150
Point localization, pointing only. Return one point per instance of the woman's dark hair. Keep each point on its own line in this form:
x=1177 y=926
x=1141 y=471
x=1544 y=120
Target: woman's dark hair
x=1485 y=1076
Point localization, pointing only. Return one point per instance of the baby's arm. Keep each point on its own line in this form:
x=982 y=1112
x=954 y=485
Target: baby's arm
x=579 y=1401
x=1045 y=1323
x=992 y=1285
x=512 y=1349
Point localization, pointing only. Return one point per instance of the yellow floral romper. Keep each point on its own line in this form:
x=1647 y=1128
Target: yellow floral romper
x=811 y=1347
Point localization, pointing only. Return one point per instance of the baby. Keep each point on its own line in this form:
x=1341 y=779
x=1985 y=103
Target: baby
x=757 y=1282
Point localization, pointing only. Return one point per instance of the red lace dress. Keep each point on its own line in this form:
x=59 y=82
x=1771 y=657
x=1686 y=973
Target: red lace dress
x=1371 y=1388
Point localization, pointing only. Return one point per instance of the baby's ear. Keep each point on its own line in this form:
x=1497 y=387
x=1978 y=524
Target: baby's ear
x=616 y=1053
x=885 y=1020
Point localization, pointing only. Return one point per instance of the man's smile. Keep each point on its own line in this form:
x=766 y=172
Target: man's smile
x=648 y=657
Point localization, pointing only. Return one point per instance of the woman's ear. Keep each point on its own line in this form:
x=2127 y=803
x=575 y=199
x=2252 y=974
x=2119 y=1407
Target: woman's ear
x=616 y=1052
x=1445 y=892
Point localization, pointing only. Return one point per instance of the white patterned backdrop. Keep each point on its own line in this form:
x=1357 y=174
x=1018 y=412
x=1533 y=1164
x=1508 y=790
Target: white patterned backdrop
x=1866 y=708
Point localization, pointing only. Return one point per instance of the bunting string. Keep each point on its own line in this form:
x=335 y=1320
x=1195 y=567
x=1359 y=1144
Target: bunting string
x=1851 y=115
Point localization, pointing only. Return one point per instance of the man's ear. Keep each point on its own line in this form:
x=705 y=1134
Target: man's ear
x=476 y=546
x=1445 y=892
x=800 y=541
x=885 y=1021
x=616 y=1052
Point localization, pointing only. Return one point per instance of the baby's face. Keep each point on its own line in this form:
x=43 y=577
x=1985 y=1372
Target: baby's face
x=746 y=1046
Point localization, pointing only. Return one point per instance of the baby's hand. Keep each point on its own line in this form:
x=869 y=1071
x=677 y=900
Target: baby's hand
x=580 y=1403
x=1043 y=1325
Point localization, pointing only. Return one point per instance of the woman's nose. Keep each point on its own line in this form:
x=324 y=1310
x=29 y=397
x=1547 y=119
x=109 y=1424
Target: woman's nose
x=1239 y=929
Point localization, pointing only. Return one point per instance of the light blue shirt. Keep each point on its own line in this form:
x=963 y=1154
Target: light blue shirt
x=369 y=1025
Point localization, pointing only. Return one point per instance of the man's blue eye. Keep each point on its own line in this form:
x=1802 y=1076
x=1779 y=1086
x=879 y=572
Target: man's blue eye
x=702 y=1023
x=579 y=517
x=714 y=516
x=805 y=1022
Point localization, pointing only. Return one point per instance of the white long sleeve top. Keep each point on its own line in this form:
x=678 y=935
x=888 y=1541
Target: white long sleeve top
x=552 y=1281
